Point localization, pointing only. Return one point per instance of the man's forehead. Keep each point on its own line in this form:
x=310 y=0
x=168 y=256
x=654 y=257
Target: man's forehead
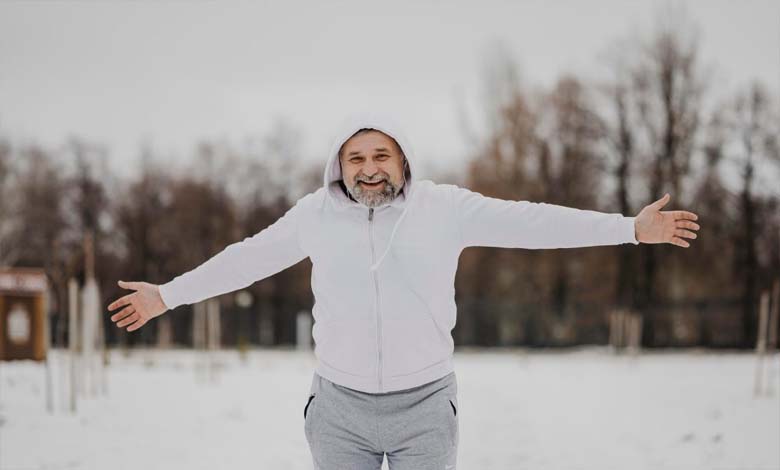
x=380 y=148
x=381 y=144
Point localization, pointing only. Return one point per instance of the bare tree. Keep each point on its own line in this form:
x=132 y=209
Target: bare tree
x=142 y=212
x=662 y=94
x=753 y=123
x=39 y=235
x=569 y=172
x=620 y=129
x=498 y=168
x=9 y=251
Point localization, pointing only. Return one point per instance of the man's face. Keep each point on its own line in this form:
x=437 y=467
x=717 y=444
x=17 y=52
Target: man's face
x=372 y=157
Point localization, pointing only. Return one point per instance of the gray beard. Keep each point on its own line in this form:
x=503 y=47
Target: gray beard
x=374 y=198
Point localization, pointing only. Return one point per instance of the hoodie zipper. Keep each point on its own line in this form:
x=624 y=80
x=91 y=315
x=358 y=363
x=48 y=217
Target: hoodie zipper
x=376 y=289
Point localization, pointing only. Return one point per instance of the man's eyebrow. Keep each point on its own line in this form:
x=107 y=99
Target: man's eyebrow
x=357 y=152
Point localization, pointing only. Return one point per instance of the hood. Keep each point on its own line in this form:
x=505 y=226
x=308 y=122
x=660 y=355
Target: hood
x=332 y=174
x=352 y=124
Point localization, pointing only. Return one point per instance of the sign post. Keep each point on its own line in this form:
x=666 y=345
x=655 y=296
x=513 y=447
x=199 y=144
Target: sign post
x=24 y=320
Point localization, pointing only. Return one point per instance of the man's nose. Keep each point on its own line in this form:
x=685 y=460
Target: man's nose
x=370 y=169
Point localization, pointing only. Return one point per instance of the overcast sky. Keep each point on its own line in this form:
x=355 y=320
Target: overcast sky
x=172 y=73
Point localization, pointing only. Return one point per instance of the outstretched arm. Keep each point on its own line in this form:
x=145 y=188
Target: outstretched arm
x=488 y=221
x=238 y=265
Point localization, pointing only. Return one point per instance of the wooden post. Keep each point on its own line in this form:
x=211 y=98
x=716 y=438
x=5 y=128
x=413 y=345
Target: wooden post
x=90 y=351
x=614 y=329
x=214 y=335
x=761 y=342
x=634 y=327
x=625 y=331
x=73 y=340
x=244 y=301
x=49 y=359
x=102 y=359
x=198 y=330
x=774 y=317
x=639 y=328
x=164 y=332
x=198 y=335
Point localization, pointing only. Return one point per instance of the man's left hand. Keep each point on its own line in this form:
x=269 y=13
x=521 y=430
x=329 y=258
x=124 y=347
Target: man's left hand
x=652 y=225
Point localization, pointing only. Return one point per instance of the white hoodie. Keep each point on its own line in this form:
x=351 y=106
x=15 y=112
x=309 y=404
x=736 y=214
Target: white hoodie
x=383 y=278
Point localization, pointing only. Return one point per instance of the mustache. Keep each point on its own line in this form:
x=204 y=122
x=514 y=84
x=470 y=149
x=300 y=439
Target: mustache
x=366 y=180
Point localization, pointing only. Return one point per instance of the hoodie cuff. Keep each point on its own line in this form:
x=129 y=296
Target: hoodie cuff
x=167 y=298
x=630 y=230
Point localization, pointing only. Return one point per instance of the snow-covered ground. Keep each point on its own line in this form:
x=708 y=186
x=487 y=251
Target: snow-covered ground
x=584 y=409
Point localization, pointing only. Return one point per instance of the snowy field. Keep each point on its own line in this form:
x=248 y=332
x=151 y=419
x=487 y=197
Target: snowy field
x=583 y=409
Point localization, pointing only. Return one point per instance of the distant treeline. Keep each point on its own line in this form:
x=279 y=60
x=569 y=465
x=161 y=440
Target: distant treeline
x=652 y=126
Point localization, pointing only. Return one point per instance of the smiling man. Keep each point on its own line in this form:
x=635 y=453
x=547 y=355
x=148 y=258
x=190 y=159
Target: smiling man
x=384 y=246
x=373 y=167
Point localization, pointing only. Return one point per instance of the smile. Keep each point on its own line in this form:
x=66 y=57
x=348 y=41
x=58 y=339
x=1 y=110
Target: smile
x=372 y=185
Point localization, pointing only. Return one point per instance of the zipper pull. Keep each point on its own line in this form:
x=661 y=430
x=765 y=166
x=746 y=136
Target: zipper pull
x=371 y=213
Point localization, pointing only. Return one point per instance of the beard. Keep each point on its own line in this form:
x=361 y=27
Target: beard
x=383 y=194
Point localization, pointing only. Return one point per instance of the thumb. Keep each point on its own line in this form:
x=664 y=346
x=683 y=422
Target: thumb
x=661 y=202
x=129 y=285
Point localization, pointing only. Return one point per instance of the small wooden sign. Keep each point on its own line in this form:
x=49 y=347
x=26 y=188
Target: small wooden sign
x=22 y=314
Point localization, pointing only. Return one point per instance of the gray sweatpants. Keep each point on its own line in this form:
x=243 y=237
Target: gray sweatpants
x=351 y=430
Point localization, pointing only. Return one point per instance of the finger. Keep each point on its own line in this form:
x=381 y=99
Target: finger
x=684 y=215
x=123 y=313
x=126 y=300
x=686 y=224
x=661 y=202
x=129 y=285
x=684 y=233
x=136 y=325
x=130 y=319
x=680 y=242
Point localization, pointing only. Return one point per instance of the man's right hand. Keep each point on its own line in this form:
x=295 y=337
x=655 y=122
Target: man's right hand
x=139 y=307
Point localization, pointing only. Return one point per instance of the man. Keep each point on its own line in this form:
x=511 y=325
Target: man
x=384 y=246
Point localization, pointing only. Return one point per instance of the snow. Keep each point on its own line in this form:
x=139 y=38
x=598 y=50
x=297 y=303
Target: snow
x=579 y=409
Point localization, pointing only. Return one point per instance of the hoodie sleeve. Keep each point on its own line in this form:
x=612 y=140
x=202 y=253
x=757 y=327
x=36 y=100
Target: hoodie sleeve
x=488 y=221
x=240 y=264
